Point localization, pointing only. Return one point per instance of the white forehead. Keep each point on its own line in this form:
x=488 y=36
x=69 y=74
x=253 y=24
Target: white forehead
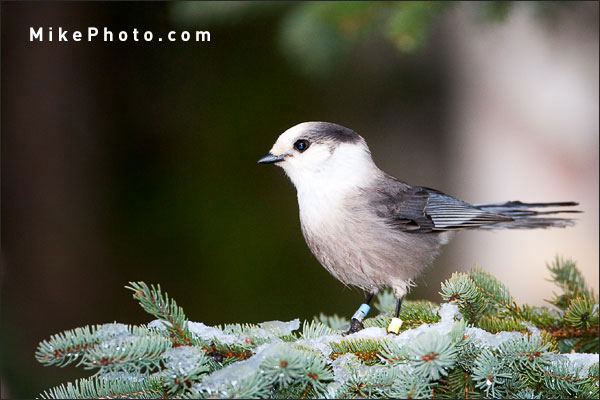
x=286 y=140
x=296 y=131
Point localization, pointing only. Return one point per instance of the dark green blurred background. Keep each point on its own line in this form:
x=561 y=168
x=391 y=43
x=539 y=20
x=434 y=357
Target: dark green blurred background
x=137 y=161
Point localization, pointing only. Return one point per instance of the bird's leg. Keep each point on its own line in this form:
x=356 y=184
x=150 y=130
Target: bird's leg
x=398 y=306
x=360 y=314
x=396 y=322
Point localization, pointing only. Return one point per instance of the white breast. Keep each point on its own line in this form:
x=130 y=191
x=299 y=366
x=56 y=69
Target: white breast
x=322 y=190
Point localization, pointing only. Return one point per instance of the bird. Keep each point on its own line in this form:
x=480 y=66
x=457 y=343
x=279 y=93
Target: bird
x=371 y=230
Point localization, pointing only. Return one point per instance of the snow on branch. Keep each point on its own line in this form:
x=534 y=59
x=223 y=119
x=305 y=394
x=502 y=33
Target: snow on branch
x=478 y=343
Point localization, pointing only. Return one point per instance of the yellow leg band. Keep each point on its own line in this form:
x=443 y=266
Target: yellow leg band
x=394 y=326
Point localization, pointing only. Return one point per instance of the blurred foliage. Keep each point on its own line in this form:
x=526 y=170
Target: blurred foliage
x=315 y=36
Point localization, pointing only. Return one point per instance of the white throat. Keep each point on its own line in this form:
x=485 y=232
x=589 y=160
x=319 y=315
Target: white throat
x=323 y=188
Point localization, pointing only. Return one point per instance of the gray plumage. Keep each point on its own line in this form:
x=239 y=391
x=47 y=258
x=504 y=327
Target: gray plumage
x=369 y=229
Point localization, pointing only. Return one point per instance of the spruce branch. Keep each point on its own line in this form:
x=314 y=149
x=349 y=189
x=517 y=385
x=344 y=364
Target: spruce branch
x=526 y=393
x=496 y=293
x=228 y=353
x=315 y=329
x=252 y=387
x=458 y=385
x=418 y=313
x=407 y=385
x=561 y=378
x=541 y=316
x=567 y=276
x=385 y=302
x=127 y=352
x=392 y=353
x=495 y=324
x=582 y=313
x=432 y=355
x=123 y=347
x=99 y=388
x=367 y=350
x=525 y=354
x=250 y=333
x=413 y=314
x=317 y=375
x=461 y=289
x=481 y=345
x=589 y=388
x=299 y=369
x=153 y=302
x=467 y=351
x=571 y=332
x=491 y=374
x=335 y=322
x=380 y=321
x=66 y=347
x=185 y=366
x=283 y=369
x=383 y=383
x=549 y=340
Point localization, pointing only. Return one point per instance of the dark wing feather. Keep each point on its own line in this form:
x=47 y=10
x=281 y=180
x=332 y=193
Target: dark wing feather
x=449 y=213
x=421 y=210
x=401 y=206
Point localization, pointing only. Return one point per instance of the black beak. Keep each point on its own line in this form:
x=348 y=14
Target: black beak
x=271 y=159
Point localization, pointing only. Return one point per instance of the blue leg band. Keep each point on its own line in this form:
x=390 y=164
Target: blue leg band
x=362 y=312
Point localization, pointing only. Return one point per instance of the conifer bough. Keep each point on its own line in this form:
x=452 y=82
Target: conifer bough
x=477 y=343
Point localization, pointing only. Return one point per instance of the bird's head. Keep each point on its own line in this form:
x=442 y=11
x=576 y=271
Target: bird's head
x=321 y=152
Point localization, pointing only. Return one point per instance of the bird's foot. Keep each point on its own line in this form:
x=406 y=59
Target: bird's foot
x=357 y=319
x=394 y=326
x=355 y=326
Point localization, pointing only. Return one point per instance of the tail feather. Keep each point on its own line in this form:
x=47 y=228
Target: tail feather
x=523 y=217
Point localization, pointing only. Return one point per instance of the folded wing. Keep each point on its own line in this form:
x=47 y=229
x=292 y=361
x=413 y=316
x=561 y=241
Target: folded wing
x=422 y=210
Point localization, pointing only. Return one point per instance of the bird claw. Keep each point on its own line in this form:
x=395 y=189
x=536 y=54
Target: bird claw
x=355 y=326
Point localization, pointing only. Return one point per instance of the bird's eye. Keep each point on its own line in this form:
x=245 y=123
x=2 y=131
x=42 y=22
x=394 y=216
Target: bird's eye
x=301 y=145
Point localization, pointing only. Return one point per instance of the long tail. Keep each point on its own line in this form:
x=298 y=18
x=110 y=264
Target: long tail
x=523 y=217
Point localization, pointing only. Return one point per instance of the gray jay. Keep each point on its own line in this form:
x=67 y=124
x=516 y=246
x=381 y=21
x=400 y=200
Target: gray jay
x=371 y=230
